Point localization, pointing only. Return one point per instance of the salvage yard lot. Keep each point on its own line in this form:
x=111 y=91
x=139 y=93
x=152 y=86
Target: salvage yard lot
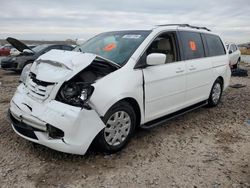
x=204 y=148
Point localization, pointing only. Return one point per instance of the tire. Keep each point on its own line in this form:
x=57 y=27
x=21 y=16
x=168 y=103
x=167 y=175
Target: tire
x=18 y=71
x=215 y=94
x=120 y=121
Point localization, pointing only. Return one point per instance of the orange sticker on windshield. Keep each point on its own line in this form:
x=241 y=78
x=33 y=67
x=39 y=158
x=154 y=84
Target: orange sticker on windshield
x=109 y=47
x=192 y=45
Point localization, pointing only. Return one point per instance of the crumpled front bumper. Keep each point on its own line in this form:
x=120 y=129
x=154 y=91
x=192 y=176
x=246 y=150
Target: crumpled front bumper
x=79 y=126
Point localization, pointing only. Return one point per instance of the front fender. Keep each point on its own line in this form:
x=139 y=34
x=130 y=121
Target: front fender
x=114 y=87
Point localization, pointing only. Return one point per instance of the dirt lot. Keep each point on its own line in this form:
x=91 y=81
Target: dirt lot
x=204 y=148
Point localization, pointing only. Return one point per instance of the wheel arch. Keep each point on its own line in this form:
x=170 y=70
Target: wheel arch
x=135 y=105
x=222 y=80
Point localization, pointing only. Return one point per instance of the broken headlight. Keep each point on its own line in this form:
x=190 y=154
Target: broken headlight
x=75 y=93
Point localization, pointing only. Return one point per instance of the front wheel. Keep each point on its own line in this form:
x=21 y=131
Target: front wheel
x=215 y=94
x=120 y=123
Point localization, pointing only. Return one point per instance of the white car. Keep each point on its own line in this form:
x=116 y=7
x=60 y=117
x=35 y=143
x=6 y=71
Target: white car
x=118 y=81
x=234 y=55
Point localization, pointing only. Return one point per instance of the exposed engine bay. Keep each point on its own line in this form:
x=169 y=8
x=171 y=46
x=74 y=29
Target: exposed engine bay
x=96 y=70
x=78 y=90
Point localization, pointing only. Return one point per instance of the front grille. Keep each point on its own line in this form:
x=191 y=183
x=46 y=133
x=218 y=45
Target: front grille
x=37 y=88
x=23 y=128
x=39 y=82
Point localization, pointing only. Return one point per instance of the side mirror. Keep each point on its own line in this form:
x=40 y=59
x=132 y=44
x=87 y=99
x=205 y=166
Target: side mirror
x=156 y=59
x=230 y=51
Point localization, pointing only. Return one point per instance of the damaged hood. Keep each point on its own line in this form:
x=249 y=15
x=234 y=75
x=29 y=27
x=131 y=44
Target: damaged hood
x=58 y=65
x=18 y=44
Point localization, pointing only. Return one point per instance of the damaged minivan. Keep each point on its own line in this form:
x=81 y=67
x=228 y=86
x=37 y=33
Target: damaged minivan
x=117 y=82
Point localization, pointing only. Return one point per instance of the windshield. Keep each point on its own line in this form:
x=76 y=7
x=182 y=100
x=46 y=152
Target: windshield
x=115 y=46
x=39 y=47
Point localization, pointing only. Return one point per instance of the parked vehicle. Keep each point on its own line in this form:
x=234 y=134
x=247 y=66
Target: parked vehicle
x=117 y=81
x=15 y=52
x=234 y=55
x=27 y=55
x=5 y=50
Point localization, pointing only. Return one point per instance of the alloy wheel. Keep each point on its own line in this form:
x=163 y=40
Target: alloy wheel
x=216 y=93
x=117 y=128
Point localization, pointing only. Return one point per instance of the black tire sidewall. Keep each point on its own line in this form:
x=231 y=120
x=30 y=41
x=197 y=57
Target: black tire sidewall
x=121 y=106
x=210 y=100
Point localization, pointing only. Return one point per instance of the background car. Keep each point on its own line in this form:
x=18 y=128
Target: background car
x=5 y=50
x=234 y=55
x=15 y=52
x=27 y=55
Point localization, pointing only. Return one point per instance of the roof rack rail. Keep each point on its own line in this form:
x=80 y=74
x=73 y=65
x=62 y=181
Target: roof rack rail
x=185 y=25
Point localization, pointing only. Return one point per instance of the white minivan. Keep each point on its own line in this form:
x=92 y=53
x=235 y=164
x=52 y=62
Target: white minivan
x=118 y=81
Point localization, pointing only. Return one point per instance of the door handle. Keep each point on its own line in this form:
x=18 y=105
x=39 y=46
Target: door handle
x=179 y=70
x=192 y=68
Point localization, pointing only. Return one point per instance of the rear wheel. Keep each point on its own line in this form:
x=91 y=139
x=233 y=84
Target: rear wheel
x=215 y=94
x=120 y=123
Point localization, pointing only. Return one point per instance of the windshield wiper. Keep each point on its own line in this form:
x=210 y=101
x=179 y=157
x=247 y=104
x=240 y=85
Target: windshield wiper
x=108 y=61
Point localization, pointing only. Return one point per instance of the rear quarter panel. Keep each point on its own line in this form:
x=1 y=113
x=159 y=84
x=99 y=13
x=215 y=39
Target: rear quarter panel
x=221 y=68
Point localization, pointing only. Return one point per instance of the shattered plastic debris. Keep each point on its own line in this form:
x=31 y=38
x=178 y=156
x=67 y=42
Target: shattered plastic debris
x=239 y=72
x=237 y=86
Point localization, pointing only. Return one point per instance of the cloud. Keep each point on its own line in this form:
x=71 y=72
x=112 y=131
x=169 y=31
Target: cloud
x=61 y=19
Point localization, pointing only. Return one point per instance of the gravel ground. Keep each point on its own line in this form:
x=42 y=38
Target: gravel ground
x=204 y=148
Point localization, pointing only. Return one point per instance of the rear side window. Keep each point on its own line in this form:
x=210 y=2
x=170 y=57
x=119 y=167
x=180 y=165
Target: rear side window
x=192 y=45
x=215 y=45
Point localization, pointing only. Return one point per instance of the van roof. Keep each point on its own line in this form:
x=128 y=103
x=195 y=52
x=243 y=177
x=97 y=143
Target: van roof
x=171 y=27
x=184 y=25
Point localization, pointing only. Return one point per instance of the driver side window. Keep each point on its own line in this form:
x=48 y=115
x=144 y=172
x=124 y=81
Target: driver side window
x=165 y=44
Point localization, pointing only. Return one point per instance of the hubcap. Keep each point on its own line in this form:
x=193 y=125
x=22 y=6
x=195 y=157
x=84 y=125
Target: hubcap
x=216 y=93
x=117 y=128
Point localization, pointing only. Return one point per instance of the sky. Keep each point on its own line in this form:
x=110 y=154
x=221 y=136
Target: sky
x=81 y=19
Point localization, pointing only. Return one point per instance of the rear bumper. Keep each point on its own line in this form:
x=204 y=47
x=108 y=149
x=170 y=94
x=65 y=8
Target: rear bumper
x=31 y=120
